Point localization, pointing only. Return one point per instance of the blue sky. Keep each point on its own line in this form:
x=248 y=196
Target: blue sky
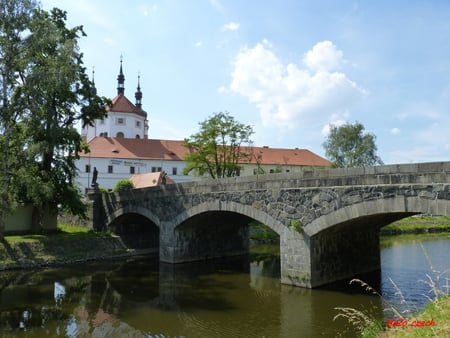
x=289 y=68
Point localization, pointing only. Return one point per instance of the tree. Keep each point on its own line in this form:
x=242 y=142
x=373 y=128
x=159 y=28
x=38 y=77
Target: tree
x=216 y=149
x=50 y=95
x=14 y=19
x=348 y=146
x=123 y=185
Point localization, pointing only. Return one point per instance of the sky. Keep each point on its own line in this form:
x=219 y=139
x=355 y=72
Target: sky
x=288 y=68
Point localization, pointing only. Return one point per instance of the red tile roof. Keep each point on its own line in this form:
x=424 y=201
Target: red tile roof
x=121 y=104
x=284 y=156
x=132 y=148
x=149 y=180
x=129 y=148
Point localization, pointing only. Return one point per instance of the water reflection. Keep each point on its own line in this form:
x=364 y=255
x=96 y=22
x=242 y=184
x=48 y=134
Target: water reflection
x=236 y=297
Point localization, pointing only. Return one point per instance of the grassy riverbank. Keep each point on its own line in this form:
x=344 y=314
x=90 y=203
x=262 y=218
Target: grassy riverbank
x=433 y=321
x=69 y=244
x=418 y=224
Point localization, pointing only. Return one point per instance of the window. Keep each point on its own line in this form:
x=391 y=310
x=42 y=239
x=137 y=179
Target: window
x=271 y=171
x=238 y=172
x=88 y=168
x=110 y=169
x=120 y=135
x=138 y=124
x=156 y=169
x=102 y=121
x=131 y=170
x=138 y=136
x=120 y=120
x=174 y=171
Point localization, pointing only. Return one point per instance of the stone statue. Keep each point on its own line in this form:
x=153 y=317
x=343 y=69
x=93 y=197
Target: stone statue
x=94 y=178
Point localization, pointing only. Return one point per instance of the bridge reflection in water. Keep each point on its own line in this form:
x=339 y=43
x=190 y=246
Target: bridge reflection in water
x=231 y=297
x=328 y=220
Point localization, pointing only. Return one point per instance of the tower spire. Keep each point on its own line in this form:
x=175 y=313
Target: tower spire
x=120 y=80
x=138 y=94
x=94 y=89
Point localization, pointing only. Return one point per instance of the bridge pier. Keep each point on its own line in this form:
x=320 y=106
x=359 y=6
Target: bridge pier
x=337 y=255
x=328 y=257
x=295 y=256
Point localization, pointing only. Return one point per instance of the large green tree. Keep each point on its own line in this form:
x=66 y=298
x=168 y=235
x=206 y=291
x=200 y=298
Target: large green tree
x=216 y=150
x=348 y=146
x=51 y=94
x=14 y=21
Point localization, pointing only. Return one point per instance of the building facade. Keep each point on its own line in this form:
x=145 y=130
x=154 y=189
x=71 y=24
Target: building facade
x=120 y=148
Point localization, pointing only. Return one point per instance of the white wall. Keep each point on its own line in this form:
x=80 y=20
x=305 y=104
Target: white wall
x=121 y=170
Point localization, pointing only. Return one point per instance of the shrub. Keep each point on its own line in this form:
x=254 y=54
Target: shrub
x=123 y=185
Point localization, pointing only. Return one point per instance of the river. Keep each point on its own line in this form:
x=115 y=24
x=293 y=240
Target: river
x=236 y=297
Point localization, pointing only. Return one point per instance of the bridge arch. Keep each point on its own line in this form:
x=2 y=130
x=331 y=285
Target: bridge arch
x=345 y=243
x=132 y=209
x=382 y=211
x=138 y=227
x=232 y=207
x=212 y=229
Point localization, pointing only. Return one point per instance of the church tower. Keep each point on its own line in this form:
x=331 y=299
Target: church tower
x=125 y=119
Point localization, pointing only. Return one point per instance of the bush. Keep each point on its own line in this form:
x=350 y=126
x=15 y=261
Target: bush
x=123 y=185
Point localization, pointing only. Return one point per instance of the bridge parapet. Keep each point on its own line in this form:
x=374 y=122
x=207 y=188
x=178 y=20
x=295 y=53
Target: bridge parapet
x=415 y=173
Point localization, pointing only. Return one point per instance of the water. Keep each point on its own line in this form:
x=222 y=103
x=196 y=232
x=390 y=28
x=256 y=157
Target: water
x=238 y=297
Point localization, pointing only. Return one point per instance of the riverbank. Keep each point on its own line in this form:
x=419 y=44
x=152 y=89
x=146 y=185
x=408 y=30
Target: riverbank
x=68 y=245
x=433 y=321
x=417 y=225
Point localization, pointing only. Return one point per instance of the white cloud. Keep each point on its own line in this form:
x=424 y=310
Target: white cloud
x=288 y=96
x=324 y=56
x=334 y=122
x=199 y=44
x=232 y=26
x=395 y=131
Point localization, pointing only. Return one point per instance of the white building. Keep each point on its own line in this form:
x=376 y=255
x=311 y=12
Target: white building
x=119 y=148
x=124 y=119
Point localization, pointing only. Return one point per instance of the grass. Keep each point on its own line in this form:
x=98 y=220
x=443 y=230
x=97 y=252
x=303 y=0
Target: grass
x=418 y=224
x=432 y=321
x=68 y=243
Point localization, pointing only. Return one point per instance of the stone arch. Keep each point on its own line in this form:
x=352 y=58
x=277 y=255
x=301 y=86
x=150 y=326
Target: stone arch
x=135 y=210
x=233 y=207
x=384 y=211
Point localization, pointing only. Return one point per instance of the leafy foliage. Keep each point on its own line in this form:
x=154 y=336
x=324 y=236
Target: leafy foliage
x=47 y=93
x=123 y=185
x=348 y=146
x=216 y=149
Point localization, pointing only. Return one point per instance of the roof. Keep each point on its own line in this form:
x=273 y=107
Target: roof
x=149 y=180
x=284 y=156
x=121 y=104
x=149 y=149
x=132 y=148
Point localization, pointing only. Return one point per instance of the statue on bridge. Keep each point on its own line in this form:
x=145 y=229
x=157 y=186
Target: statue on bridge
x=94 y=178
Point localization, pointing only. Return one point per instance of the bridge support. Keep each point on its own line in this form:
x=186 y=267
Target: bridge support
x=328 y=257
x=348 y=253
x=295 y=255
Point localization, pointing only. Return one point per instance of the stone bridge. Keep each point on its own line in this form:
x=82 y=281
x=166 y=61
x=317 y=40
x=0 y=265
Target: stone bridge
x=328 y=220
